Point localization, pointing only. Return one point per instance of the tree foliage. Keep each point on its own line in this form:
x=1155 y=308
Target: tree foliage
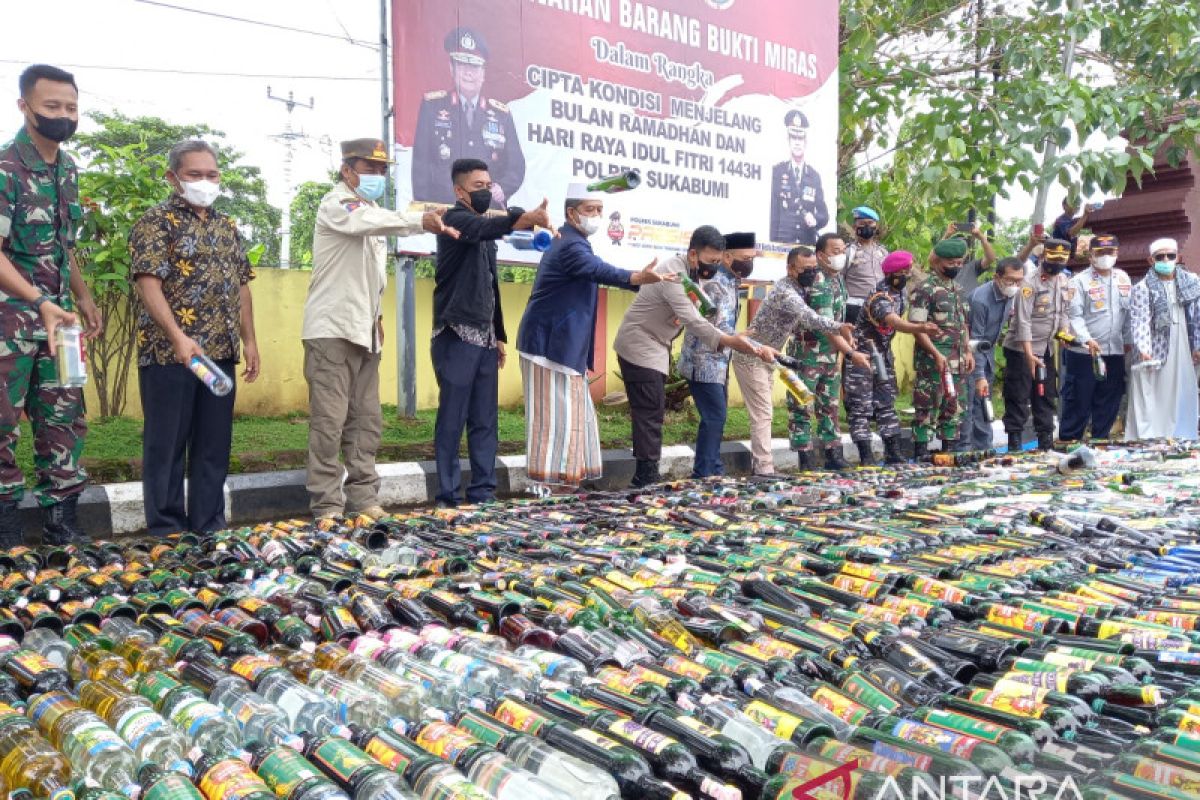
x=244 y=195
x=302 y=220
x=946 y=104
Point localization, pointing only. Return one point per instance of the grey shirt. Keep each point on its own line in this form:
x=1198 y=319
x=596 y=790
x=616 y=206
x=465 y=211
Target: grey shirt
x=1099 y=310
x=1040 y=311
x=989 y=310
x=864 y=269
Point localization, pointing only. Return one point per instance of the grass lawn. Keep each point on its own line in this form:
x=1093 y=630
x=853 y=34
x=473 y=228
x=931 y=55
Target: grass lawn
x=114 y=446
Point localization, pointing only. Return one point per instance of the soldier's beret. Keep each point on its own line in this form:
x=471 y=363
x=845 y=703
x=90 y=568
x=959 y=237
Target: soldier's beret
x=467 y=46
x=897 y=261
x=950 y=248
x=366 y=149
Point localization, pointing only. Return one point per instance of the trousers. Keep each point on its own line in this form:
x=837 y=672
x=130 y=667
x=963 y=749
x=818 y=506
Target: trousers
x=647 y=392
x=980 y=430
x=712 y=402
x=754 y=379
x=1086 y=400
x=468 y=397
x=1022 y=394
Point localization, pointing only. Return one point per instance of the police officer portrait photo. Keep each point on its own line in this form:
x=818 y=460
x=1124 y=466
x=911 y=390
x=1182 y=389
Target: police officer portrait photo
x=798 y=210
x=464 y=122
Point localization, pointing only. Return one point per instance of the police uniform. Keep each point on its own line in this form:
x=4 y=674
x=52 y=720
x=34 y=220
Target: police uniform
x=1039 y=311
x=449 y=127
x=39 y=217
x=795 y=192
x=1099 y=310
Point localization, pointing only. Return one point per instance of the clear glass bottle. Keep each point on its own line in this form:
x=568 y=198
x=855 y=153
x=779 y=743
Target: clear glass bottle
x=204 y=725
x=356 y=705
x=94 y=750
x=134 y=719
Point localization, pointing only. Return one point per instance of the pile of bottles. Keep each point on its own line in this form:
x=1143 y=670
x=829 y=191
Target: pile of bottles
x=979 y=630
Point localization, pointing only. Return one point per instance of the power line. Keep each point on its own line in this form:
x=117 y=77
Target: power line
x=347 y=38
x=204 y=73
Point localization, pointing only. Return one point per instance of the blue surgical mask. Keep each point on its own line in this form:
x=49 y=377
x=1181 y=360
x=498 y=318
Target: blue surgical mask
x=1164 y=267
x=371 y=187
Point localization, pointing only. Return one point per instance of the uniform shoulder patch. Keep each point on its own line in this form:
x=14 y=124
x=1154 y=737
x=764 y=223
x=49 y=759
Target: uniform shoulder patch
x=438 y=95
x=496 y=104
x=350 y=205
x=1026 y=291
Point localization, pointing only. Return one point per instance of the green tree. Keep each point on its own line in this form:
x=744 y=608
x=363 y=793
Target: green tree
x=302 y=217
x=245 y=192
x=945 y=104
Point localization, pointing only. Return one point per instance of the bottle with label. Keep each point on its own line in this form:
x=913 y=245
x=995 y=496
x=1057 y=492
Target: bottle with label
x=800 y=703
x=33 y=673
x=204 y=725
x=431 y=777
x=160 y=784
x=671 y=760
x=572 y=776
x=843 y=782
x=93 y=749
x=257 y=718
x=931 y=758
x=290 y=775
x=766 y=749
x=489 y=769
x=697 y=295
x=988 y=757
x=355 y=704
x=403 y=698
x=355 y=772
x=28 y=761
x=306 y=709
x=631 y=771
x=152 y=738
x=229 y=779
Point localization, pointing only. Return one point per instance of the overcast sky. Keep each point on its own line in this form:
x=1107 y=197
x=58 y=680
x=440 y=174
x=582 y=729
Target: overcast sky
x=137 y=42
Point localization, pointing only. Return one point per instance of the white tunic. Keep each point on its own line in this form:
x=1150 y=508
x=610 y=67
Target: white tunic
x=1163 y=400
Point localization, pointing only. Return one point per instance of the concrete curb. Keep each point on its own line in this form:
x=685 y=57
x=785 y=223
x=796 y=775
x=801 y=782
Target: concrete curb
x=116 y=508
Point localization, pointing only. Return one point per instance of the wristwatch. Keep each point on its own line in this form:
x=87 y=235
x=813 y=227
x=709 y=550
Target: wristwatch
x=37 y=302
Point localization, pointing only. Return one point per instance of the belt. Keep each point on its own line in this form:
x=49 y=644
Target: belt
x=855 y=301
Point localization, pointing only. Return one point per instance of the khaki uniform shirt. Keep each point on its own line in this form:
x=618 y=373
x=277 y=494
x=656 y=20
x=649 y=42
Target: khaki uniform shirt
x=349 y=272
x=1039 y=311
x=656 y=317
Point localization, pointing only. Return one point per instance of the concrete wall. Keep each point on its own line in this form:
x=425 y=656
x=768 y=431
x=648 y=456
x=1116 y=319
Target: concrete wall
x=279 y=310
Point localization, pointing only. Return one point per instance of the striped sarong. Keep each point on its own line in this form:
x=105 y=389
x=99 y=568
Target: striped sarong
x=562 y=439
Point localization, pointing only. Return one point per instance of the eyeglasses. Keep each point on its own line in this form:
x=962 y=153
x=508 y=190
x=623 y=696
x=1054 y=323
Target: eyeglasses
x=1166 y=256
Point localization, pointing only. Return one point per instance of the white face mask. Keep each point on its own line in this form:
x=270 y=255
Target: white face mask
x=200 y=193
x=1106 y=262
x=589 y=225
x=837 y=263
x=1009 y=291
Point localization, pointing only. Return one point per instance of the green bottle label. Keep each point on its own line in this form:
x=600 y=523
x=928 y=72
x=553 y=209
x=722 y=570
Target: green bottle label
x=284 y=770
x=339 y=758
x=861 y=690
x=172 y=786
x=483 y=728
x=154 y=686
x=964 y=723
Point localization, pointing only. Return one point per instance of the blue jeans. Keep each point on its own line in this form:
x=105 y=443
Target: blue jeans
x=467 y=398
x=712 y=402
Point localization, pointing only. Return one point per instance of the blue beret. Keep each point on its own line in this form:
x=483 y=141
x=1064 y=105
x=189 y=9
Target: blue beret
x=863 y=212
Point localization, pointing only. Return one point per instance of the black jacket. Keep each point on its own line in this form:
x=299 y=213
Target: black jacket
x=466 y=288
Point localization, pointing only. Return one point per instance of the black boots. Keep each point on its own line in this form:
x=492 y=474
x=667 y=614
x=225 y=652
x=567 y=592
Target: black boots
x=891 y=451
x=1045 y=441
x=60 y=525
x=834 y=459
x=804 y=460
x=866 y=456
x=920 y=451
x=1014 y=443
x=12 y=532
x=645 y=474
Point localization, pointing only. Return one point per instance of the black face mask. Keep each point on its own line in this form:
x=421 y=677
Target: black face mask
x=865 y=232
x=897 y=282
x=56 y=129
x=481 y=200
x=951 y=272
x=706 y=271
x=742 y=268
x=1051 y=268
x=807 y=278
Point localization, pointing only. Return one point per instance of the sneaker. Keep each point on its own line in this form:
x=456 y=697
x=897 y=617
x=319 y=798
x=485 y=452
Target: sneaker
x=375 y=512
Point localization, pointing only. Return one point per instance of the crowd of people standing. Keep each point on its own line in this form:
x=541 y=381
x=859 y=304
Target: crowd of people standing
x=828 y=324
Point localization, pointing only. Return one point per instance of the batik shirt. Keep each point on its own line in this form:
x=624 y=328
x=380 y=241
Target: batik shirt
x=697 y=361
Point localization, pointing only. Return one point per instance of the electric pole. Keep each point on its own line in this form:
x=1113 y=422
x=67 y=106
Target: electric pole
x=289 y=138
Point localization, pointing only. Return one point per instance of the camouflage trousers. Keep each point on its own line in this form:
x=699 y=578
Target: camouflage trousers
x=871 y=396
x=29 y=383
x=931 y=404
x=825 y=382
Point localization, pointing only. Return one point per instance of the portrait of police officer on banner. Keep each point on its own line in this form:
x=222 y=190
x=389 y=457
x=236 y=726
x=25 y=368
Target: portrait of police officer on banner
x=464 y=123
x=798 y=210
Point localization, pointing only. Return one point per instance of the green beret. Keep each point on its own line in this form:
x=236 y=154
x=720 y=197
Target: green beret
x=950 y=248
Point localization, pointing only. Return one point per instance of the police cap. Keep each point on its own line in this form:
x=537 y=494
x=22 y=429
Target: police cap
x=366 y=149
x=466 y=46
x=796 y=122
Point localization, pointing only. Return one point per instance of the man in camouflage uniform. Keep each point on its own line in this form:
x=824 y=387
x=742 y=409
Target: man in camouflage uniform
x=39 y=217
x=871 y=393
x=819 y=367
x=937 y=300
